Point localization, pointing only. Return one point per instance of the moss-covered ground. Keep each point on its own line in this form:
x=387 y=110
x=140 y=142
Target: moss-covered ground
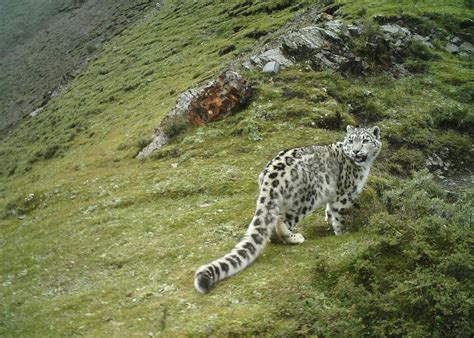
x=94 y=242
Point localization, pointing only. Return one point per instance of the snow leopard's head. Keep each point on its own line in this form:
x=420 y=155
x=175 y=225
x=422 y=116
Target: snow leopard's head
x=362 y=145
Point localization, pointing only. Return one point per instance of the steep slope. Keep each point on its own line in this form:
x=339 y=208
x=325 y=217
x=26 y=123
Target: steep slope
x=95 y=242
x=44 y=44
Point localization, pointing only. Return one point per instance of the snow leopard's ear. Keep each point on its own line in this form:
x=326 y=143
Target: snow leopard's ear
x=349 y=129
x=376 y=131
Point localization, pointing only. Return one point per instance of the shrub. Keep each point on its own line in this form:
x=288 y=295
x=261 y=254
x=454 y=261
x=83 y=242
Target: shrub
x=22 y=205
x=50 y=151
x=413 y=279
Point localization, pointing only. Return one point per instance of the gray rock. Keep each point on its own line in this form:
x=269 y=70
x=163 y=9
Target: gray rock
x=160 y=140
x=435 y=163
x=424 y=40
x=247 y=65
x=272 y=67
x=321 y=48
x=394 y=29
x=337 y=26
x=354 y=30
x=318 y=47
x=309 y=39
x=275 y=54
x=396 y=35
x=451 y=48
x=456 y=40
x=36 y=112
x=467 y=47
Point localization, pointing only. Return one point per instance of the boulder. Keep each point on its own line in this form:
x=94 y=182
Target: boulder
x=272 y=67
x=203 y=104
x=218 y=98
x=274 y=54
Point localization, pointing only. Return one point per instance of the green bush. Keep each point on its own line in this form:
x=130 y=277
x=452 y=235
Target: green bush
x=413 y=279
x=405 y=160
x=22 y=205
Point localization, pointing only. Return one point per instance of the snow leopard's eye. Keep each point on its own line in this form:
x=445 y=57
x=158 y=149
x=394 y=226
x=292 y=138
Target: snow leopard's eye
x=365 y=141
x=351 y=141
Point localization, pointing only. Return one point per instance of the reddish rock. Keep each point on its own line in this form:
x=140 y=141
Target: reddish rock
x=207 y=103
x=219 y=98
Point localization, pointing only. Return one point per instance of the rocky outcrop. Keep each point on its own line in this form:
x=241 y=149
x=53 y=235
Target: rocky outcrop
x=456 y=45
x=323 y=47
x=326 y=43
x=438 y=164
x=206 y=103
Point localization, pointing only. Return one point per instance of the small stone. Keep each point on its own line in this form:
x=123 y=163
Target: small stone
x=247 y=65
x=167 y=288
x=393 y=29
x=271 y=67
x=456 y=40
x=36 y=112
x=467 y=47
x=353 y=30
x=452 y=48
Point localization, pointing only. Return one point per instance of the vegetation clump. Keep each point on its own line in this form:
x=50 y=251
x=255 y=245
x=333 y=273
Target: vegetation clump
x=413 y=278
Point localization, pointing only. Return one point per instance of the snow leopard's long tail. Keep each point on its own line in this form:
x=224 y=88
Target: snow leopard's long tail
x=244 y=253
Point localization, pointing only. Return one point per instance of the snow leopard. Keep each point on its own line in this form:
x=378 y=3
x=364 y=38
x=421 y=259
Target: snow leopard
x=293 y=184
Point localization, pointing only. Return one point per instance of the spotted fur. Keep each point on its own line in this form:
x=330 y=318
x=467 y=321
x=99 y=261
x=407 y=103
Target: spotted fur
x=292 y=185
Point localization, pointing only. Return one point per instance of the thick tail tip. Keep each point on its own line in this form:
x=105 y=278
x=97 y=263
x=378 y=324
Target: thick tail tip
x=203 y=282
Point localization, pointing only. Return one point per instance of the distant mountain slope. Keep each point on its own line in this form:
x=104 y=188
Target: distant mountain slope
x=43 y=43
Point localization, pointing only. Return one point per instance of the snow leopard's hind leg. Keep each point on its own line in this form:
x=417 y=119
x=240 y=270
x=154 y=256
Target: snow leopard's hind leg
x=286 y=235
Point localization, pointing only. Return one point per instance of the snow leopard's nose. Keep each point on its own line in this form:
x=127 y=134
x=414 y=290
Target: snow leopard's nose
x=355 y=152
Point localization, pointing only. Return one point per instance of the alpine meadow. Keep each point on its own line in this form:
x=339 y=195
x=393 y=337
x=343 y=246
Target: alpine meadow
x=133 y=134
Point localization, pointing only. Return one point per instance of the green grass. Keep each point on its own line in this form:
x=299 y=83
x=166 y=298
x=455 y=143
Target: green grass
x=441 y=9
x=108 y=245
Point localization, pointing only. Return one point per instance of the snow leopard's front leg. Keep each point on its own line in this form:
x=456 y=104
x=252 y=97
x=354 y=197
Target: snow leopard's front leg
x=336 y=211
x=334 y=219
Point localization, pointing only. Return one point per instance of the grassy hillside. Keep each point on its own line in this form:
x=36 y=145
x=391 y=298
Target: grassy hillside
x=95 y=242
